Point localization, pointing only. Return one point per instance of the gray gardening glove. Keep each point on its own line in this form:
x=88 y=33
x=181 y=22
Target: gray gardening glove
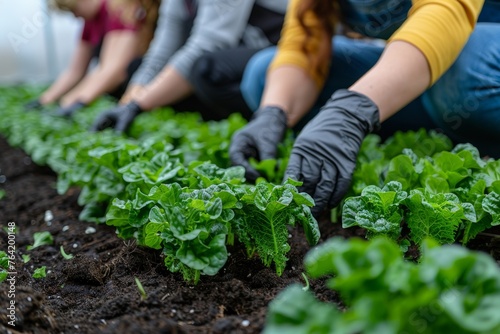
x=33 y=105
x=120 y=118
x=258 y=139
x=324 y=154
x=70 y=110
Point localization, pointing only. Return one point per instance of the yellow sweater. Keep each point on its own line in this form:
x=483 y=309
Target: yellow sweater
x=438 y=28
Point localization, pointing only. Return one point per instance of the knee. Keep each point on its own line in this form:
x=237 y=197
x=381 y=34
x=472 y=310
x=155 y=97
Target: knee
x=205 y=71
x=474 y=78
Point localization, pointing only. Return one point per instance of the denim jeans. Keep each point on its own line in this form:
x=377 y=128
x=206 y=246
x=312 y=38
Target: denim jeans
x=464 y=103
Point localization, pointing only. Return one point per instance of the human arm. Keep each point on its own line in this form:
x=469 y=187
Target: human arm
x=437 y=29
x=71 y=76
x=217 y=25
x=118 y=50
x=324 y=154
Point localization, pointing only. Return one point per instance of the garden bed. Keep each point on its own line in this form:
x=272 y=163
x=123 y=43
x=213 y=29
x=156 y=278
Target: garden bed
x=95 y=292
x=159 y=193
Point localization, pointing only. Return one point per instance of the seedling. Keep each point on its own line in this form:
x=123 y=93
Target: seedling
x=40 y=272
x=41 y=239
x=144 y=296
x=64 y=254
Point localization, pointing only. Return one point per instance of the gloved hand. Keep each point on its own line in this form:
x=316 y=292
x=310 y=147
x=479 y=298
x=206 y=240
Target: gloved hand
x=120 y=118
x=70 y=110
x=258 y=139
x=324 y=154
x=33 y=105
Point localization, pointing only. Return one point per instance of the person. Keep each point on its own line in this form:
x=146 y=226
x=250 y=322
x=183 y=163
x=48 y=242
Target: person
x=117 y=32
x=436 y=70
x=188 y=30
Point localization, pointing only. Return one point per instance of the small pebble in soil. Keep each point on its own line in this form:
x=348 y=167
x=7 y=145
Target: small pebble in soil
x=75 y=245
x=29 y=299
x=48 y=217
x=76 y=326
x=245 y=323
x=65 y=228
x=90 y=230
x=103 y=321
x=3 y=178
x=191 y=311
x=289 y=236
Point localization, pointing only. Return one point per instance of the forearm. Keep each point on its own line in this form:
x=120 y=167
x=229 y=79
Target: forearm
x=401 y=75
x=167 y=88
x=94 y=85
x=63 y=84
x=132 y=93
x=291 y=89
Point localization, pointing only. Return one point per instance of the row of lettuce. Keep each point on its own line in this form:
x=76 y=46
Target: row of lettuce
x=170 y=186
x=153 y=186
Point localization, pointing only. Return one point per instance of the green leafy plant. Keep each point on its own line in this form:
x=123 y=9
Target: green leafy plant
x=377 y=210
x=41 y=239
x=193 y=224
x=451 y=196
x=385 y=294
x=4 y=266
x=144 y=296
x=40 y=272
x=268 y=210
x=64 y=254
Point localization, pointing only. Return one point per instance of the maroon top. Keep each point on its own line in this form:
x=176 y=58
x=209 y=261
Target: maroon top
x=105 y=21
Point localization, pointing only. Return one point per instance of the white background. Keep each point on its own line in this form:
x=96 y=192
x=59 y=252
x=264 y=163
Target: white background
x=35 y=43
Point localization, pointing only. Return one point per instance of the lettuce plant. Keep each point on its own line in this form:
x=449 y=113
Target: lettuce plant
x=451 y=290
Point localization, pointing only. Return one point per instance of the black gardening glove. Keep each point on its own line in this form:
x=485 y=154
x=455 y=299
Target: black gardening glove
x=120 y=118
x=33 y=105
x=258 y=139
x=324 y=154
x=69 y=110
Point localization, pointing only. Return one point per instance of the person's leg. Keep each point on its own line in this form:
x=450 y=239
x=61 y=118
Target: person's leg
x=465 y=101
x=254 y=77
x=490 y=11
x=216 y=77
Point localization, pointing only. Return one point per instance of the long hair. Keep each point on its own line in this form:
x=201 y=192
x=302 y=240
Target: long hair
x=66 y=5
x=144 y=12
x=327 y=13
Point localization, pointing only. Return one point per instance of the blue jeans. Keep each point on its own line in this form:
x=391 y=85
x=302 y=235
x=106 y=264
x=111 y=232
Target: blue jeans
x=464 y=103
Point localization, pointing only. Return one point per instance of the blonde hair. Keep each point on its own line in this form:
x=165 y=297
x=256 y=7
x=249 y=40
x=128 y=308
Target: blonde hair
x=130 y=12
x=66 y=5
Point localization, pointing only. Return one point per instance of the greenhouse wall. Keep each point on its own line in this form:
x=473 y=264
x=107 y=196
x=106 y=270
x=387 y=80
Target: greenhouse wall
x=35 y=43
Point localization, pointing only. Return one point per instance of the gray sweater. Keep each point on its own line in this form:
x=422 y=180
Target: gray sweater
x=185 y=32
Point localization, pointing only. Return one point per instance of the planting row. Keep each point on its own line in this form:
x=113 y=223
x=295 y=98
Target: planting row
x=169 y=185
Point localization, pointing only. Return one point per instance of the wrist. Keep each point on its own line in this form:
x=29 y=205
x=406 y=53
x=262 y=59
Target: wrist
x=44 y=100
x=277 y=114
x=79 y=104
x=359 y=106
x=135 y=106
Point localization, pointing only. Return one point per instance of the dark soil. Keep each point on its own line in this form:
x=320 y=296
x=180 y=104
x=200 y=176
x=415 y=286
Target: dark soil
x=95 y=292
